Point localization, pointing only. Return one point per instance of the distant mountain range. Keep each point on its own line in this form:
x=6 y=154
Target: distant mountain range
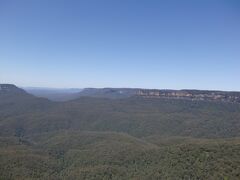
x=70 y=94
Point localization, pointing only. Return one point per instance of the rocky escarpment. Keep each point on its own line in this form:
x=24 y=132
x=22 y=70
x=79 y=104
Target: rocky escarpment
x=10 y=89
x=191 y=95
x=222 y=96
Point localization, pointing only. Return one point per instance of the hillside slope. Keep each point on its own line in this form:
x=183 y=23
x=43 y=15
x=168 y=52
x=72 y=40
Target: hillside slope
x=136 y=116
x=15 y=101
x=97 y=155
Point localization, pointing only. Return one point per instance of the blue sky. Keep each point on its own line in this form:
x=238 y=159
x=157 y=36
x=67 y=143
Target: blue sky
x=167 y=44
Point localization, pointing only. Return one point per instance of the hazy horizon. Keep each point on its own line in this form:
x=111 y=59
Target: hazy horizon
x=81 y=88
x=132 y=44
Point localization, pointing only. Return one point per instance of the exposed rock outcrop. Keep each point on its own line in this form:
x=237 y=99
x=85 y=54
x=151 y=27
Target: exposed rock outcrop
x=191 y=95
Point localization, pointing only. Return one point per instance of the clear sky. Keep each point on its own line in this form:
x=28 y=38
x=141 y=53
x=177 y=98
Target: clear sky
x=169 y=44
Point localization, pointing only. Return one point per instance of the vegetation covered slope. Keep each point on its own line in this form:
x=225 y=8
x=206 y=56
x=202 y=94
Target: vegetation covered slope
x=97 y=155
x=129 y=138
x=136 y=116
x=15 y=101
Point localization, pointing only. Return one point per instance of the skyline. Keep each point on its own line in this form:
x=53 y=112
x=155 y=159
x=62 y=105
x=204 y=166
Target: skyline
x=135 y=44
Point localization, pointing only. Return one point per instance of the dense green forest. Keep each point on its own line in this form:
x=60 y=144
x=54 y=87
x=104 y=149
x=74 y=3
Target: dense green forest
x=117 y=138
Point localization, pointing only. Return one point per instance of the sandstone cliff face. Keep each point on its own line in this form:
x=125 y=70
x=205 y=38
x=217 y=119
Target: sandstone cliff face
x=191 y=95
x=115 y=93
